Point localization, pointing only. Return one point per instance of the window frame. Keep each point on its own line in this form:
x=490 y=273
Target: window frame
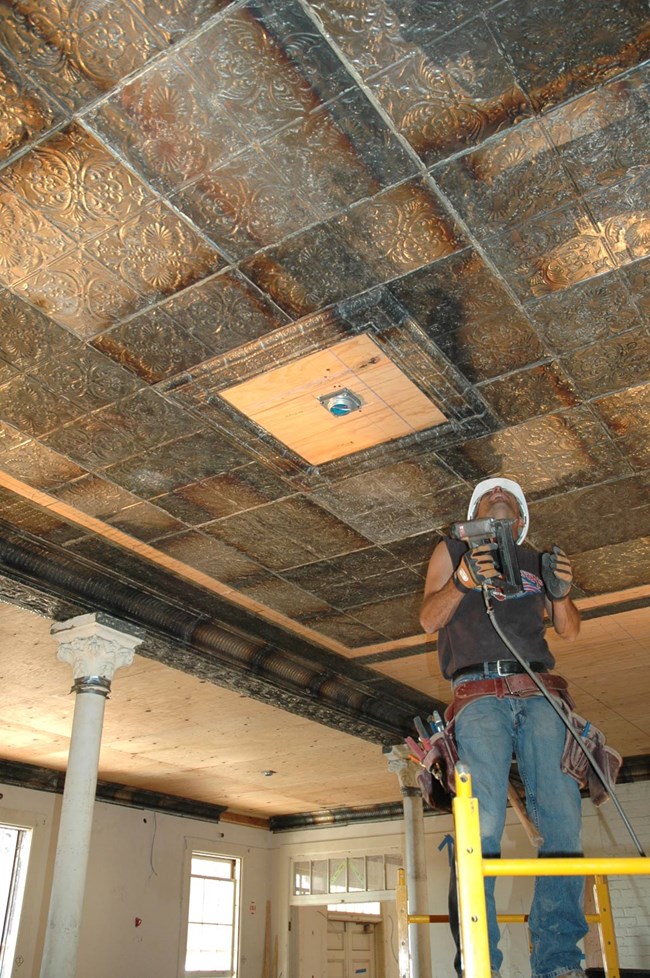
x=209 y=850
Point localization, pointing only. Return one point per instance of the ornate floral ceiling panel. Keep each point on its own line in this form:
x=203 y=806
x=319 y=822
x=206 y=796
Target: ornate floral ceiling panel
x=193 y=194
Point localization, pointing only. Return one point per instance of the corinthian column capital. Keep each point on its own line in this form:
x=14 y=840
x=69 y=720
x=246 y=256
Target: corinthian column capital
x=405 y=769
x=96 y=645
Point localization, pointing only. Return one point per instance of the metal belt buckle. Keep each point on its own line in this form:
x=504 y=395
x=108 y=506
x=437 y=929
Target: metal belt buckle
x=505 y=662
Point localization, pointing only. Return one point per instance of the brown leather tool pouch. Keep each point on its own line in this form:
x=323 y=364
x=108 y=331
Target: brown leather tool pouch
x=437 y=780
x=575 y=763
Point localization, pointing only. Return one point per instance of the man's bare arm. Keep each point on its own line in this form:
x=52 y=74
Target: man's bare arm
x=441 y=596
x=565 y=618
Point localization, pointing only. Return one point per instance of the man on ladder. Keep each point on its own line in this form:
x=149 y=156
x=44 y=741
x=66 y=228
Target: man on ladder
x=499 y=712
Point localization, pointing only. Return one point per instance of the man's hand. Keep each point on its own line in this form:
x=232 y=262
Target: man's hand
x=557 y=573
x=476 y=568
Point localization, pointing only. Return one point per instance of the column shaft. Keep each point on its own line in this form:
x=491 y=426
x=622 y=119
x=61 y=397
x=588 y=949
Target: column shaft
x=71 y=861
x=416 y=882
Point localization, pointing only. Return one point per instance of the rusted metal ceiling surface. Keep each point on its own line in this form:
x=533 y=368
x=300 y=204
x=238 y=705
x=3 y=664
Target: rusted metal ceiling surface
x=193 y=193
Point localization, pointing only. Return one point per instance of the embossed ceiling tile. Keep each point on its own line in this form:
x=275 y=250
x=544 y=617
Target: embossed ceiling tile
x=175 y=463
x=400 y=230
x=10 y=438
x=367 y=31
x=7 y=373
x=562 y=520
x=270 y=68
x=32 y=408
x=156 y=253
x=613 y=568
x=145 y=522
x=623 y=214
x=416 y=550
x=121 y=430
x=638 y=277
x=56 y=44
x=80 y=293
x=104 y=41
x=27 y=336
x=284 y=597
x=162 y=123
x=25 y=111
x=529 y=393
x=490 y=347
x=586 y=313
x=512 y=177
x=287 y=533
x=330 y=578
x=386 y=587
x=452 y=292
x=225 y=311
x=604 y=133
x=627 y=416
x=242 y=62
x=558 y=451
x=41 y=524
x=344 y=629
x=371 y=139
x=394 y=617
x=27 y=240
x=39 y=466
x=560 y=49
x=95 y=496
x=152 y=345
x=395 y=501
x=209 y=555
x=244 y=205
x=177 y=18
x=243 y=488
x=76 y=184
x=86 y=378
x=553 y=252
x=611 y=364
x=318 y=158
x=309 y=271
x=453 y=95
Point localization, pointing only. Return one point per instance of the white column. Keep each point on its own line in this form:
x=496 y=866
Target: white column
x=415 y=858
x=95 y=645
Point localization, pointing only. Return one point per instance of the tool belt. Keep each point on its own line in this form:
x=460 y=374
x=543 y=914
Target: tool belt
x=440 y=762
x=520 y=684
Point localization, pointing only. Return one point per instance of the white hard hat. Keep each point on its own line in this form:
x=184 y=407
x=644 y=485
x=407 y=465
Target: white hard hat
x=510 y=486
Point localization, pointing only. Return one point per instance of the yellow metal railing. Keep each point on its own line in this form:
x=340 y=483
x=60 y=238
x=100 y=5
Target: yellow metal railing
x=471 y=870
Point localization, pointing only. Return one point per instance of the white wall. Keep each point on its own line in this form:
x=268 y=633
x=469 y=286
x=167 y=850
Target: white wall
x=136 y=870
x=605 y=834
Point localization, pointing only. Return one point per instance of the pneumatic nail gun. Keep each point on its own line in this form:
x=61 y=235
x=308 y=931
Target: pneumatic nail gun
x=498 y=533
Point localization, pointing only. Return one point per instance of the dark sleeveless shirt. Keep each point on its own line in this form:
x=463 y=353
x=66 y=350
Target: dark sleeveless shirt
x=469 y=639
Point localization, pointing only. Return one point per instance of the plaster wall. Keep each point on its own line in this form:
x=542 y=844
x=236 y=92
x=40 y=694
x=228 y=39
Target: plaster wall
x=136 y=870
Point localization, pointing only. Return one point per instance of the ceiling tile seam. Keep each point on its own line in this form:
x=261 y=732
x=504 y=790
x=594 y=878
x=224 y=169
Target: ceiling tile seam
x=363 y=87
x=168 y=50
x=614 y=442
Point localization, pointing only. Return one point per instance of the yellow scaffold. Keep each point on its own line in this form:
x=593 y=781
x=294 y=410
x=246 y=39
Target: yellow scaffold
x=471 y=871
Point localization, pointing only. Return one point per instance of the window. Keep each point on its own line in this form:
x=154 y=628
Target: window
x=345 y=874
x=14 y=853
x=213 y=917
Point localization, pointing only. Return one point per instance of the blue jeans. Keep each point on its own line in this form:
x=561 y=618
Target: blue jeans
x=488 y=732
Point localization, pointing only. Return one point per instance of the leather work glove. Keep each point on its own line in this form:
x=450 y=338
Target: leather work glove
x=476 y=568
x=557 y=573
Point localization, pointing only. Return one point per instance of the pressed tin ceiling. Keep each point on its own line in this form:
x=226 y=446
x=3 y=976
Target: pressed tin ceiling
x=196 y=197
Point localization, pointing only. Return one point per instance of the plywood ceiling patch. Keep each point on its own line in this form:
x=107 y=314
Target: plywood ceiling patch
x=285 y=401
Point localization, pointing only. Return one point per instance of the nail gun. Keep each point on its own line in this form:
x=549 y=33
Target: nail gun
x=498 y=533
